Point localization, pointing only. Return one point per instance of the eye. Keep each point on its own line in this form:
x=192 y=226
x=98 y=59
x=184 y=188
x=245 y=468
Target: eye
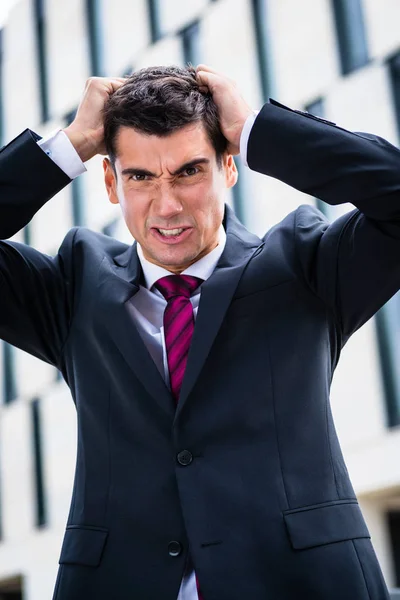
x=190 y=171
x=138 y=177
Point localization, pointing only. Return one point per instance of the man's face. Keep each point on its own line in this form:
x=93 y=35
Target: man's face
x=171 y=193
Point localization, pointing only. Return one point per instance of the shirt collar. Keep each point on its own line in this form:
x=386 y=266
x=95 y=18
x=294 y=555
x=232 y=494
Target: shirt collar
x=202 y=268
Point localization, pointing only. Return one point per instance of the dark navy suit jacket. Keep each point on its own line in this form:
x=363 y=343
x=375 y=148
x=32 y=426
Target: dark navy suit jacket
x=247 y=472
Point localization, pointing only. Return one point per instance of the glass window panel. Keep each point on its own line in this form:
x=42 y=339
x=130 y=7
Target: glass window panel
x=260 y=15
x=77 y=188
x=40 y=26
x=94 y=18
x=351 y=35
x=394 y=70
x=41 y=517
x=9 y=379
x=191 y=44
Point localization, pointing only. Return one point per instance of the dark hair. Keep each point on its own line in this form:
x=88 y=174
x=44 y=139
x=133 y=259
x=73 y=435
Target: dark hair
x=159 y=101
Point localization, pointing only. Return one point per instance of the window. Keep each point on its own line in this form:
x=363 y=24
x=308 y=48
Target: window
x=260 y=17
x=78 y=213
x=191 y=43
x=12 y=589
x=9 y=379
x=41 y=516
x=154 y=18
x=388 y=333
x=351 y=36
x=95 y=34
x=27 y=234
x=40 y=23
x=1 y=89
x=393 y=519
x=238 y=192
x=394 y=70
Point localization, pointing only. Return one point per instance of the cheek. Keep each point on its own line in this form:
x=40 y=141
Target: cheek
x=210 y=208
x=135 y=207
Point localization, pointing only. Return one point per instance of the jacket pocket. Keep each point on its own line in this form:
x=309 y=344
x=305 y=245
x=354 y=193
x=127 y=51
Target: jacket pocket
x=325 y=524
x=83 y=546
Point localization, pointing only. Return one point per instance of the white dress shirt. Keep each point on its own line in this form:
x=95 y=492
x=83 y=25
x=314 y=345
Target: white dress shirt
x=148 y=304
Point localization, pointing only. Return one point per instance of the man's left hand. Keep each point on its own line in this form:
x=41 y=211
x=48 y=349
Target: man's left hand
x=233 y=110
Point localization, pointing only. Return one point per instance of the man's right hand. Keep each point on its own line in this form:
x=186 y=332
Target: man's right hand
x=86 y=131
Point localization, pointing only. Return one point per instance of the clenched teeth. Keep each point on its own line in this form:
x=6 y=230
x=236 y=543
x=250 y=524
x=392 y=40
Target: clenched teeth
x=170 y=232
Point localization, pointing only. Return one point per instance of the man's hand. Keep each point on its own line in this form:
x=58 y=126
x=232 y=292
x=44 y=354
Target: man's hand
x=232 y=108
x=86 y=131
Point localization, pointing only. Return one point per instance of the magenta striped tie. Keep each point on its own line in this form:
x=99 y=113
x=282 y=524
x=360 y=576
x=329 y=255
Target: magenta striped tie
x=178 y=324
x=178 y=330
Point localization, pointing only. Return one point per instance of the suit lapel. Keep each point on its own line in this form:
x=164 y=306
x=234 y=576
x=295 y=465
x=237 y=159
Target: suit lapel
x=119 y=282
x=117 y=285
x=216 y=295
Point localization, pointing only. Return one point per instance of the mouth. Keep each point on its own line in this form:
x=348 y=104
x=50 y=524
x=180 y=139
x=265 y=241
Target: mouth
x=171 y=236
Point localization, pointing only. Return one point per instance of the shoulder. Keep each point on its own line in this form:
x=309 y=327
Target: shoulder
x=306 y=221
x=294 y=241
x=89 y=245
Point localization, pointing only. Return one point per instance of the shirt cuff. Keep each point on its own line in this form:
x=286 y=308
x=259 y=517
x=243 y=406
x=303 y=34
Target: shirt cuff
x=58 y=147
x=244 y=137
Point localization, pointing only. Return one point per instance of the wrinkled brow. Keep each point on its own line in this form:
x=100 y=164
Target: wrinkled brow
x=181 y=169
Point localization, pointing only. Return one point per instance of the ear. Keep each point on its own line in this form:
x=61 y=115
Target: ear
x=110 y=179
x=231 y=172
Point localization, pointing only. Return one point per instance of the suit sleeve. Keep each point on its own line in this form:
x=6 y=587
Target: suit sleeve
x=35 y=289
x=354 y=263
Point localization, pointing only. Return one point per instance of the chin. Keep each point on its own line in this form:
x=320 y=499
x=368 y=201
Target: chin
x=175 y=259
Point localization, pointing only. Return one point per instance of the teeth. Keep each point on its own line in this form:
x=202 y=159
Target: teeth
x=170 y=232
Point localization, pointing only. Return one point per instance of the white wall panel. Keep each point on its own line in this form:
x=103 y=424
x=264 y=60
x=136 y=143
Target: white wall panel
x=357 y=391
x=269 y=201
x=60 y=436
x=382 y=20
x=303 y=49
x=18 y=497
x=21 y=88
x=219 y=53
x=32 y=374
x=175 y=14
x=167 y=51
x=97 y=207
x=68 y=49
x=126 y=32
x=51 y=224
x=378 y=457
x=363 y=102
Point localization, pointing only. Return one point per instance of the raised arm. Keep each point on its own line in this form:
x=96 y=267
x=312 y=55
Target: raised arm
x=353 y=265
x=36 y=290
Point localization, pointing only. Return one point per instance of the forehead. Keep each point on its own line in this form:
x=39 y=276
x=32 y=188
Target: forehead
x=176 y=148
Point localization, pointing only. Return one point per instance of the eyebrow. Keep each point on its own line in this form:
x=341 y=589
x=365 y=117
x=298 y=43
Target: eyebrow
x=187 y=165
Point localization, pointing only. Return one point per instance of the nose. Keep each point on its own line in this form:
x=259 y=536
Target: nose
x=167 y=204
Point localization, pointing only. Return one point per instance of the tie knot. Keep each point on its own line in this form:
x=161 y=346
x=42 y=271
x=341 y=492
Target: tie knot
x=177 y=285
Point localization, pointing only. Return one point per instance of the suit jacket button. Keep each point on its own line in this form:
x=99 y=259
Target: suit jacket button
x=174 y=548
x=184 y=458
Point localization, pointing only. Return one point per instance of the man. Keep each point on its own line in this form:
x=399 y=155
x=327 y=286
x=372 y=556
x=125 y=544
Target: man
x=208 y=463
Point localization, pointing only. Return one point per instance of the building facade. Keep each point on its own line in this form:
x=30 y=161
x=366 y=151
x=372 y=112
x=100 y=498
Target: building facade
x=336 y=58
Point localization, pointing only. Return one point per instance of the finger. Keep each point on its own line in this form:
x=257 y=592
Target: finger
x=202 y=67
x=209 y=80
x=116 y=83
